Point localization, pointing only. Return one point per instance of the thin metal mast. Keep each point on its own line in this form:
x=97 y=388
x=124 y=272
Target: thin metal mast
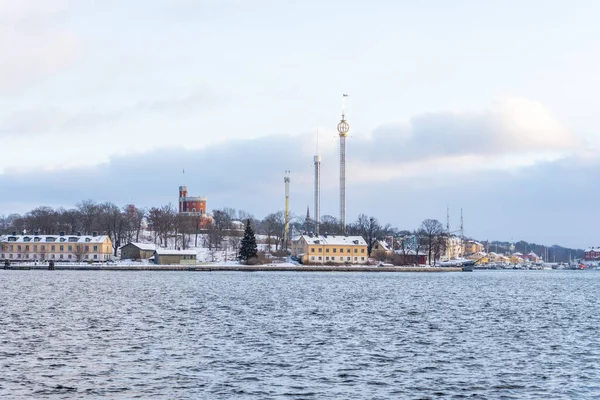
x=343 y=129
x=286 y=180
x=317 y=209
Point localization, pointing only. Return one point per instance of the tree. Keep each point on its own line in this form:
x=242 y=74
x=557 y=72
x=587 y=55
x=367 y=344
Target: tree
x=429 y=234
x=248 y=249
x=274 y=227
x=367 y=227
x=330 y=225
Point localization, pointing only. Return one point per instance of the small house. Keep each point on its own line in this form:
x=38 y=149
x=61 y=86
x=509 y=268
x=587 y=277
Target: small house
x=137 y=251
x=174 y=257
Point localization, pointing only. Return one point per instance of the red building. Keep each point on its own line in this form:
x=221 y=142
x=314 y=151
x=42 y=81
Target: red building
x=592 y=254
x=193 y=206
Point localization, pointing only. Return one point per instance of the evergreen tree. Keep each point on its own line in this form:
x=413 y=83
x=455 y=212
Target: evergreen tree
x=248 y=249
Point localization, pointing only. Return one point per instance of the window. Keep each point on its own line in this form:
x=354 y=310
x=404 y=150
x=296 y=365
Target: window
x=52 y=247
x=35 y=247
x=50 y=239
x=362 y=250
x=347 y=258
x=326 y=258
x=341 y=250
x=27 y=239
x=362 y=259
x=356 y=250
x=332 y=258
x=43 y=248
x=36 y=239
x=95 y=256
x=335 y=250
x=26 y=247
x=355 y=258
x=69 y=256
x=70 y=249
x=19 y=247
x=62 y=239
x=320 y=258
x=87 y=240
x=87 y=249
x=61 y=256
x=348 y=250
x=312 y=258
x=327 y=250
x=62 y=248
x=320 y=250
x=73 y=239
x=312 y=250
x=95 y=249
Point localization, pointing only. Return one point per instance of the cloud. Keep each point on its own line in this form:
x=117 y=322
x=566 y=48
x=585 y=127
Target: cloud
x=54 y=119
x=32 y=42
x=511 y=126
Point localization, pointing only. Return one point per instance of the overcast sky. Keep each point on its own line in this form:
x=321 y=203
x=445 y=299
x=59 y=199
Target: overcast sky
x=491 y=106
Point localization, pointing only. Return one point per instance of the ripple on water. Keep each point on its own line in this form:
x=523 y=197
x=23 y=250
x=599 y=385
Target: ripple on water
x=512 y=335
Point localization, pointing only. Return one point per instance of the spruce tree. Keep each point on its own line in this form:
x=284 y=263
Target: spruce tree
x=248 y=249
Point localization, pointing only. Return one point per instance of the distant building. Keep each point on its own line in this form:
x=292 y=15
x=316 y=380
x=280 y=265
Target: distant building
x=59 y=247
x=381 y=250
x=592 y=254
x=472 y=247
x=137 y=251
x=454 y=248
x=410 y=257
x=192 y=206
x=173 y=257
x=313 y=249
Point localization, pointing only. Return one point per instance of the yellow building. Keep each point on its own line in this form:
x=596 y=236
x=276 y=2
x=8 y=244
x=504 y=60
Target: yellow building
x=472 y=247
x=381 y=250
x=330 y=249
x=24 y=248
x=454 y=248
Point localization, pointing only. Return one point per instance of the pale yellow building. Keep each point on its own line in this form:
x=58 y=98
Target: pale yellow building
x=454 y=248
x=330 y=249
x=24 y=248
x=472 y=247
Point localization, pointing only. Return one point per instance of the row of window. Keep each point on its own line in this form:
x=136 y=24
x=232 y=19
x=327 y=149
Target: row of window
x=51 y=248
x=48 y=239
x=49 y=257
x=312 y=250
x=332 y=258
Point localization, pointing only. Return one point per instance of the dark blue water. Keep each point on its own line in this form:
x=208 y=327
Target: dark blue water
x=504 y=334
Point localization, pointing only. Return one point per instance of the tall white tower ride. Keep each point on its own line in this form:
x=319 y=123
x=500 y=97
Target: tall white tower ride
x=343 y=129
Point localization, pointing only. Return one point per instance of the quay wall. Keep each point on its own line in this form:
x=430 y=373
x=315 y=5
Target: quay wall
x=247 y=268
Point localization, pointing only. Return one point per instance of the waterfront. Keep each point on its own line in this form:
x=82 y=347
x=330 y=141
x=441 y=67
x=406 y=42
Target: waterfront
x=492 y=334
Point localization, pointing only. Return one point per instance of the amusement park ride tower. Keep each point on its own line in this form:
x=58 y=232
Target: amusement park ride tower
x=343 y=129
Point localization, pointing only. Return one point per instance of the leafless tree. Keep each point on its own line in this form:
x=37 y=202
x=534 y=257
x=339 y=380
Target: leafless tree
x=429 y=233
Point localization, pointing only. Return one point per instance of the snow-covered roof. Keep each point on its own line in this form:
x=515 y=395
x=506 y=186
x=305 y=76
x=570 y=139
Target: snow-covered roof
x=383 y=245
x=336 y=240
x=518 y=254
x=409 y=252
x=168 y=252
x=142 y=246
x=54 y=239
x=531 y=253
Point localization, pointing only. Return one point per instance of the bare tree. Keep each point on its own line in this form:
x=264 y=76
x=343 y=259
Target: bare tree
x=80 y=251
x=367 y=227
x=429 y=233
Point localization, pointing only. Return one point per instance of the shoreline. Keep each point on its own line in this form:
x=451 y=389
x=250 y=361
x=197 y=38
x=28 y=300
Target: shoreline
x=241 y=268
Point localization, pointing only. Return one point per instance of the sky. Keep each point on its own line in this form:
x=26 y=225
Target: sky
x=486 y=106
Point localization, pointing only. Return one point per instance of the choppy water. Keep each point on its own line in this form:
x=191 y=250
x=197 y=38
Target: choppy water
x=510 y=335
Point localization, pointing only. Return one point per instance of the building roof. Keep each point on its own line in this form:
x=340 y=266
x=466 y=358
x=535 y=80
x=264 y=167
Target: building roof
x=383 y=245
x=336 y=240
x=142 y=246
x=169 y=252
x=54 y=238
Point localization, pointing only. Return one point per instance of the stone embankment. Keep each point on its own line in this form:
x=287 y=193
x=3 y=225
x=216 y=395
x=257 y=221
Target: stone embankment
x=247 y=268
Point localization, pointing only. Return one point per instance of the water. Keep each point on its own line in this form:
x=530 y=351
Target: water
x=171 y=335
